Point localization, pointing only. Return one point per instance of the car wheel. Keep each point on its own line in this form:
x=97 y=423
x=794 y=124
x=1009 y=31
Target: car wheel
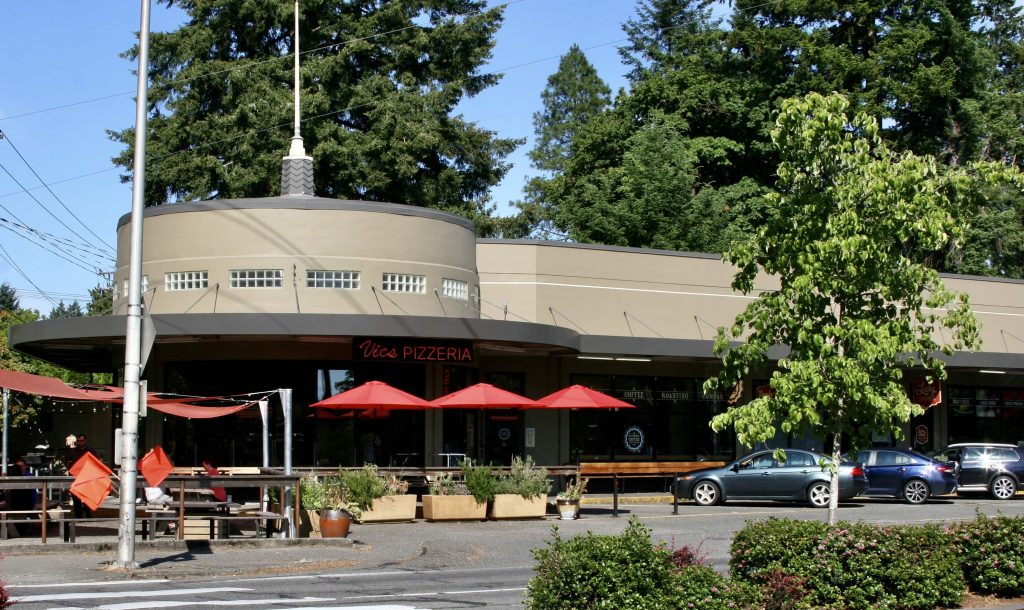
x=916 y=491
x=818 y=494
x=706 y=493
x=1004 y=488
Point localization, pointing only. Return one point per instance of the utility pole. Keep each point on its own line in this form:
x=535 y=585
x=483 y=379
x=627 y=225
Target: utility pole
x=133 y=332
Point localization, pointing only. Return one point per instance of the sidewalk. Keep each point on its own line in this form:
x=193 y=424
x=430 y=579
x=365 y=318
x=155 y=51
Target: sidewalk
x=369 y=548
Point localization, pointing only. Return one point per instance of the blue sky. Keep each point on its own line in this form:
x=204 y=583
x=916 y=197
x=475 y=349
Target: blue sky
x=63 y=52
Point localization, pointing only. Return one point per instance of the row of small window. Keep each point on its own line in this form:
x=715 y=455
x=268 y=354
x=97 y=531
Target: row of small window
x=274 y=278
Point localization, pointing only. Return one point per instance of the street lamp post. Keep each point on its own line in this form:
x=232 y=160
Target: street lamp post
x=133 y=332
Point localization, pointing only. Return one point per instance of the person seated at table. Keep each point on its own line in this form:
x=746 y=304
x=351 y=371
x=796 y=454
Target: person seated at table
x=219 y=493
x=156 y=495
x=12 y=530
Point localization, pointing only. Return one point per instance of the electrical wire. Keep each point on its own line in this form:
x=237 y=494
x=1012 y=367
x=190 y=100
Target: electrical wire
x=65 y=256
x=84 y=249
x=7 y=136
x=16 y=181
x=10 y=261
x=184 y=81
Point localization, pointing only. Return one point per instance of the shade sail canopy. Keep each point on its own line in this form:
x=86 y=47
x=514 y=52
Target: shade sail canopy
x=483 y=396
x=43 y=386
x=373 y=395
x=582 y=397
x=179 y=406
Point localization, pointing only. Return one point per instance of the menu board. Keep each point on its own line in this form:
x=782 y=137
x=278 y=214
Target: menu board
x=981 y=401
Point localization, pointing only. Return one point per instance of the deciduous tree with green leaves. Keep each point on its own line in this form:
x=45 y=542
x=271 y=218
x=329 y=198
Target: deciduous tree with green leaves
x=853 y=309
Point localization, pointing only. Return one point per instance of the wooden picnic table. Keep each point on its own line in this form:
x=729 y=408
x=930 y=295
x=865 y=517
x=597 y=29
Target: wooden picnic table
x=179 y=484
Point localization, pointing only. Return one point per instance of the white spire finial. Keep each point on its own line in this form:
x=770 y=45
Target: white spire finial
x=297 y=149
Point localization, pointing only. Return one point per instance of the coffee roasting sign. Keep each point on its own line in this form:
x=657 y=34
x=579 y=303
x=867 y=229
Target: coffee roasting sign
x=398 y=350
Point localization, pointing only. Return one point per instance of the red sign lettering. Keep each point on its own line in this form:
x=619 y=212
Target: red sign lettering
x=377 y=349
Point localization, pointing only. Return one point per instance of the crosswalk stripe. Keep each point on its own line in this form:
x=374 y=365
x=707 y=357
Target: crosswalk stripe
x=248 y=603
x=53 y=597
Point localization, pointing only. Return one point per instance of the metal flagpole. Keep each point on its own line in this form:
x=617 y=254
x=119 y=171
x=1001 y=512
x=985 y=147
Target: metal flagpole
x=133 y=332
x=286 y=408
x=7 y=395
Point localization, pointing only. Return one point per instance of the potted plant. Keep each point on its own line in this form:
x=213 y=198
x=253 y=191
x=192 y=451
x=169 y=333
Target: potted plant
x=383 y=495
x=459 y=499
x=327 y=502
x=568 y=500
x=522 y=492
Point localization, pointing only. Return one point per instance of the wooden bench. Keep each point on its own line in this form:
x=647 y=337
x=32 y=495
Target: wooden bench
x=617 y=471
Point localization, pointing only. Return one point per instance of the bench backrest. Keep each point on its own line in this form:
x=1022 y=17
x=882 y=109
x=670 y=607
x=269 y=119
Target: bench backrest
x=628 y=468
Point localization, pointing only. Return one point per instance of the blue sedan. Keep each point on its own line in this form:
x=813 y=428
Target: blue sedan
x=901 y=473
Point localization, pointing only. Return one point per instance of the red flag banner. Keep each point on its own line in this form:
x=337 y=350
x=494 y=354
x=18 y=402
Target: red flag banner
x=92 y=483
x=155 y=466
x=82 y=461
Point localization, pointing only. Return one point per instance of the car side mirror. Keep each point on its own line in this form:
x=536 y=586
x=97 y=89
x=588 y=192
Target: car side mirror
x=735 y=468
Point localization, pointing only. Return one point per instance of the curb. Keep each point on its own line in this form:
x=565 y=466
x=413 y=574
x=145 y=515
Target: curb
x=174 y=545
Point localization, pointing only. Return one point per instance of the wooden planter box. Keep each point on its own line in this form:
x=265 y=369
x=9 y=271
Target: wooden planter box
x=513 y=506
x=453 y=508
x=391 y=508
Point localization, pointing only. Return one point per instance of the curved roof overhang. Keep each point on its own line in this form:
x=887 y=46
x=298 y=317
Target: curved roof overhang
x=92 y=344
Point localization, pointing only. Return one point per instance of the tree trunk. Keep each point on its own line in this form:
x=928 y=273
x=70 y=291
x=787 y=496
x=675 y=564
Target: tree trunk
x=833 y=500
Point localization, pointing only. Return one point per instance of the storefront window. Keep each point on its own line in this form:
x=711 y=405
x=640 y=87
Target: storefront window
x=986 y=414
x=671 y=421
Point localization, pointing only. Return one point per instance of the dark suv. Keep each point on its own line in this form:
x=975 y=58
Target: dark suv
x=995 y=468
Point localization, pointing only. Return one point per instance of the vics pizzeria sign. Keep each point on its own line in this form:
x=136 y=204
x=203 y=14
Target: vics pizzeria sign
x=398 y=350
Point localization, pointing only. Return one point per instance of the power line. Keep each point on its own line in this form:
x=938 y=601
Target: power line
x=10 y=261
x=6 y=136
x=184 y=81
x=84 y=248
x=334 y=112
x=65 y=256
x=16 y=181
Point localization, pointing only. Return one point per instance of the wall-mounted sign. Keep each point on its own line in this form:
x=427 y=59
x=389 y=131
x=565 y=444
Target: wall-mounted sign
x=633 y=439
x=531 y=437
x=921 y=434
x=400 y=350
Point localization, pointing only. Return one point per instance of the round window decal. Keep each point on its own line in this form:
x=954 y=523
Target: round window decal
x=633 y=439
x=504 y=434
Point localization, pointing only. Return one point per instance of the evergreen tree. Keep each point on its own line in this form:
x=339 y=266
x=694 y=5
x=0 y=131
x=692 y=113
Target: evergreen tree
x=101 y=301
x=574 y=94
x=381 y=79
x=8 y=298
x=74 y=310
x=943 y=78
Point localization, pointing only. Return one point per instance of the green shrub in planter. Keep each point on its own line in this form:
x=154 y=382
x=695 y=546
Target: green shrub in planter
x=991 y=554
x=856 y=566
x=480 y=481
x=603 y=572
x=525 y=479
x=364 y=485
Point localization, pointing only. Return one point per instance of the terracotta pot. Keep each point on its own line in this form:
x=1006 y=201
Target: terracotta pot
x=568 y=509
x=334 y=523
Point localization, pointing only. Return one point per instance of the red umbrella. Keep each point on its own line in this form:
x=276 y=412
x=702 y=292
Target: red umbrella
x=373 y=395
x=582 y=397
x=483 y=396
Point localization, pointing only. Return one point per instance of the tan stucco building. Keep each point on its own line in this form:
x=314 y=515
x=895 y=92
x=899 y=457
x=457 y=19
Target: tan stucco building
x=319 y=294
